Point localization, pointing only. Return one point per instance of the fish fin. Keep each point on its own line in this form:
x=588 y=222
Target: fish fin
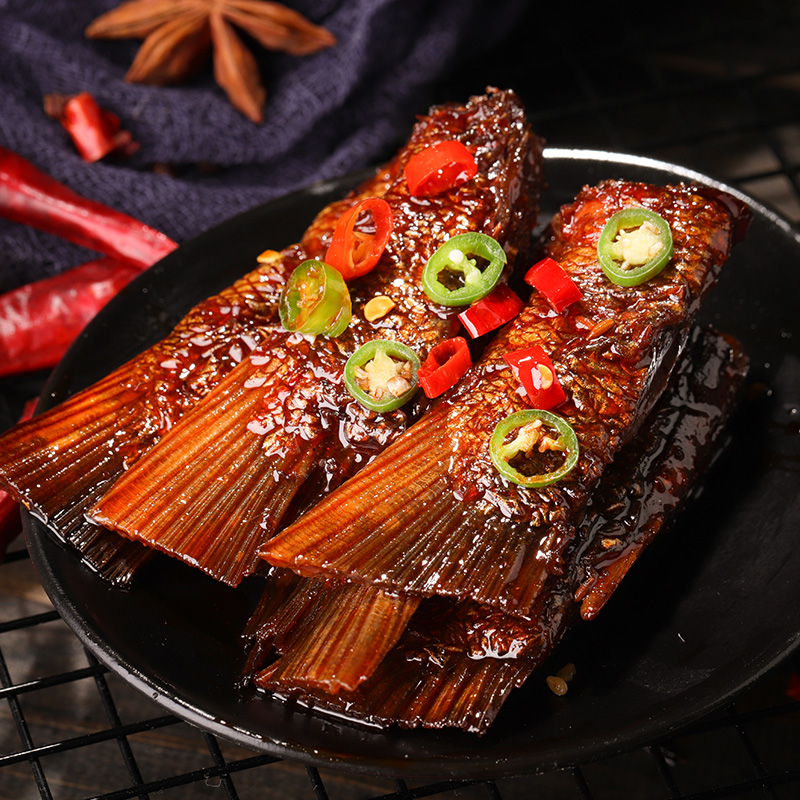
x=113 y=557
x=340 y=640
x=212 y=491
x=455 y=691
x=454 y=666
x=418 y=537
x=54 y=463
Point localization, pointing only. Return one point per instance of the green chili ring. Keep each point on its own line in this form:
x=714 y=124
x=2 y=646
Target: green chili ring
x=363 y=356
x=623 y=220
x=315 y=300
x=502 y=451
x=458 y=254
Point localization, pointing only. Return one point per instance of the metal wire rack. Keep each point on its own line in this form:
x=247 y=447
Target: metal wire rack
x=716 y=87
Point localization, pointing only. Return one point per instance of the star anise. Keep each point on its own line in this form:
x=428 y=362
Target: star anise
x=178 y=35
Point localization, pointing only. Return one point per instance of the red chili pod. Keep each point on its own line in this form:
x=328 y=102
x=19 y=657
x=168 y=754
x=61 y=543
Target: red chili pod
x=439 y=167
x=538 y=377
x=32 y=197
x=353 y=250
x=549 y=277
x=444 y=367
x=491 y=312
x=40 y=320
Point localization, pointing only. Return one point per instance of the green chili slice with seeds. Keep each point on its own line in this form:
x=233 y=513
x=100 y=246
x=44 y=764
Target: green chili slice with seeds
x=382 y=374
x=634 y=246
x=534 y=448
x=315 y=300
x=464 y=269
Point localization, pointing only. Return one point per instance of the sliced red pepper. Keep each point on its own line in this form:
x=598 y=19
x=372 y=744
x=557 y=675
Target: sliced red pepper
x=538 y=376
x=94 y=131
x=354 y=251
x=439 y=167
x=552 y=281
x=444 y=367
x=31 y=197
x=491 y=312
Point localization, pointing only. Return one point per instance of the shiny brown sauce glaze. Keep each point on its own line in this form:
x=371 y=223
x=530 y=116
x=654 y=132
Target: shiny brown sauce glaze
x=611 y=379
x=500 y=201
x=455 y=649
x=301 y=410
x=220 y=332
x=648 y=483
x=640 y=493
x=39 y=460
x=471 y=532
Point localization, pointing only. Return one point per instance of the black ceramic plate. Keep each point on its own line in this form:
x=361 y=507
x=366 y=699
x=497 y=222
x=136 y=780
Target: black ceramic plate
x=711 y=606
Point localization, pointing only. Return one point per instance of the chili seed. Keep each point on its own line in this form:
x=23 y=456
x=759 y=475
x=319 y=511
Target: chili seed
x=545 y=376
x=398 y=386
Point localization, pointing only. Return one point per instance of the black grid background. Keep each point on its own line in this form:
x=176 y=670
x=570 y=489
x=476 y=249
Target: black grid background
x=713 y=86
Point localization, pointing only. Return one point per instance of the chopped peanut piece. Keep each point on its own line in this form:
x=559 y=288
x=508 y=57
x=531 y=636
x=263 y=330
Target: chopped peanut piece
x=377 y=307
x=600 y=328
x=609 y=543
x=556 y=685
x=567 y=672
x=268 y=256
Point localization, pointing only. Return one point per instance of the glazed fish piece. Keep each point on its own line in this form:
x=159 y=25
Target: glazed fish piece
x=61 y=462
x=457 y=662
x=282 y=430
x=447 y=522
x=309 y=660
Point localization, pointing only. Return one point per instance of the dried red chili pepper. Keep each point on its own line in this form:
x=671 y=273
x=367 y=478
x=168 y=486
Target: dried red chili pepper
x=95 y=131
x=354 y=252
x=39 y=321
x=10 y=520
x=538 y=377
x=444 y=367
x=549 y=277
x=491 y=312
x=439 y=167
x=30 y=196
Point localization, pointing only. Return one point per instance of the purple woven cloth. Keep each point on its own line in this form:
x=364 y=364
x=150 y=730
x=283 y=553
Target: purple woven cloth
x=326 y=114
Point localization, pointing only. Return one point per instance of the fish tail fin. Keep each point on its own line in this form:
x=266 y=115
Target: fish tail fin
x=212 y=491
x=418 y=537
x=50 y=463
x=339 y=641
